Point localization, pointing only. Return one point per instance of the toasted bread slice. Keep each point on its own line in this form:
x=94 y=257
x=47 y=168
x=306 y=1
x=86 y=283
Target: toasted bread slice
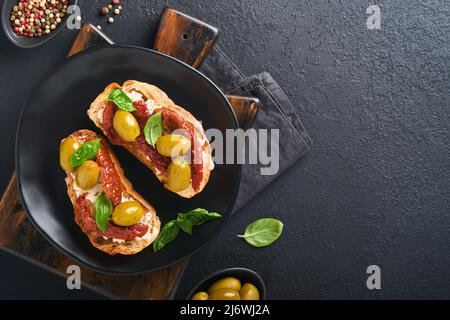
x=160 y=99
x=112 y=246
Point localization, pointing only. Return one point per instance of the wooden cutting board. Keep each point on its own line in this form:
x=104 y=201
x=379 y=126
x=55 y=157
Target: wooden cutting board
x=184 y=38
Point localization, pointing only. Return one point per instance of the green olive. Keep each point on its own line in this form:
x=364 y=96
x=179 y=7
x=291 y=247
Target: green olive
x=225 y=294
x=126 y=125
x=249 y=292
x=173 y=145
x=87 y=174
x=66 y=150
x=200 y=296
x=178 y=175
x=127 y=213
x=228 y=282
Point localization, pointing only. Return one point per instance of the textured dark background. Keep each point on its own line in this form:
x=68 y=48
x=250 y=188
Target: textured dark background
x=375 y=188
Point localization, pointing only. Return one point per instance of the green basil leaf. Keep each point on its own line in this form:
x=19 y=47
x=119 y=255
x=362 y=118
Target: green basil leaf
x=121 y=100
x=153 y=129
x=102 y=211
x=185 y=222
x=195 y=218
x=87 y=151
x=168 y=233
x=263 y=232
x=185 y=225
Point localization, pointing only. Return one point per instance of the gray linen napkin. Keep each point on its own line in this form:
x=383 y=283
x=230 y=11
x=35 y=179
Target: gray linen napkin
x=276 y=112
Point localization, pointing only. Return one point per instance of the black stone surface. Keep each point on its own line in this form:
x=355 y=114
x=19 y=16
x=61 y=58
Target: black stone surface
x=375 y=188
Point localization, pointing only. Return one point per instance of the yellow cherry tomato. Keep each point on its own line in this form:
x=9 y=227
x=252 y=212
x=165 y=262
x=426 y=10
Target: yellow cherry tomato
x=66 y=150
x=127 y=213
x=126 y=125
x=87 y=174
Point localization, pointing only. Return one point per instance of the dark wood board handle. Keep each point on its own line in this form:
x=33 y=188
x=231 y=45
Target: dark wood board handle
x=184 y=37
x=245 y=109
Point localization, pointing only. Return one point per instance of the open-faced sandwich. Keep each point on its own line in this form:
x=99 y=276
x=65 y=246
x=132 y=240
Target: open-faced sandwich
x=114 y=217
x=164 y=136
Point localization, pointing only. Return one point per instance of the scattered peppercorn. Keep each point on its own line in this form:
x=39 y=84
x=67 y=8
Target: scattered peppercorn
x=36 y=18
x=116 y=11
x=110 y=19
x=99 y=27
x=109 y=6
x=105 y=11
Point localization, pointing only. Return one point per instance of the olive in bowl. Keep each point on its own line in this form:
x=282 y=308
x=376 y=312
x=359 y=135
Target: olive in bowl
x=230 y=284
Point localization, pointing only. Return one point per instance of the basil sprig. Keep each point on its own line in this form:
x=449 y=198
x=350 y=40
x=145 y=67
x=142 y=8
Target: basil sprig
x=87 y=151
x=121 y=100
x=168 y=233
x=102 y=211
x=262 y=232
x=185 y=222
x=195 y=218
x=153 y=129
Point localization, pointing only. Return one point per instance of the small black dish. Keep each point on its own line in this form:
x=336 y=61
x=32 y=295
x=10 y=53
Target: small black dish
x=243 y=274
x=24 y=42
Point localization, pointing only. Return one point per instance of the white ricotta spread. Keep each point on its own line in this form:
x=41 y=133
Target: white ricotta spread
x=151 y=106
x=91 y=194
x=151 y=232
x=100 y=115
x=135 y=96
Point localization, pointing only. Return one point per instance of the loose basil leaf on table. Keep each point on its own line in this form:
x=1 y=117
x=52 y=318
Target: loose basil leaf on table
x=153 y=129
x=167 y=234
x=121 y=100
x=102 y=211
x=195 y=218
x=262 y=232
x=87 y=151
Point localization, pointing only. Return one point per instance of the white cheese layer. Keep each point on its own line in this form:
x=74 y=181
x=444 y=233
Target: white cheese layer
x=151 y=106
x=100 y=115
x=151 y=232
x=135 y=96
x=91 y=194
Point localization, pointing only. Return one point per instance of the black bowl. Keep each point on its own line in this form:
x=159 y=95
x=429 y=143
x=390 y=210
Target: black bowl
x=243 y=274
x=25 y=42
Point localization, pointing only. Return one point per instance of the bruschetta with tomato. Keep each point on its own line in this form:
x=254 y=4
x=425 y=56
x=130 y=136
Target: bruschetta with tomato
x=115 y=218
x=164 y=136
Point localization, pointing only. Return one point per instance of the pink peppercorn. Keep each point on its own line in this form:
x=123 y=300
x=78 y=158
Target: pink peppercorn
x=28 y=18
